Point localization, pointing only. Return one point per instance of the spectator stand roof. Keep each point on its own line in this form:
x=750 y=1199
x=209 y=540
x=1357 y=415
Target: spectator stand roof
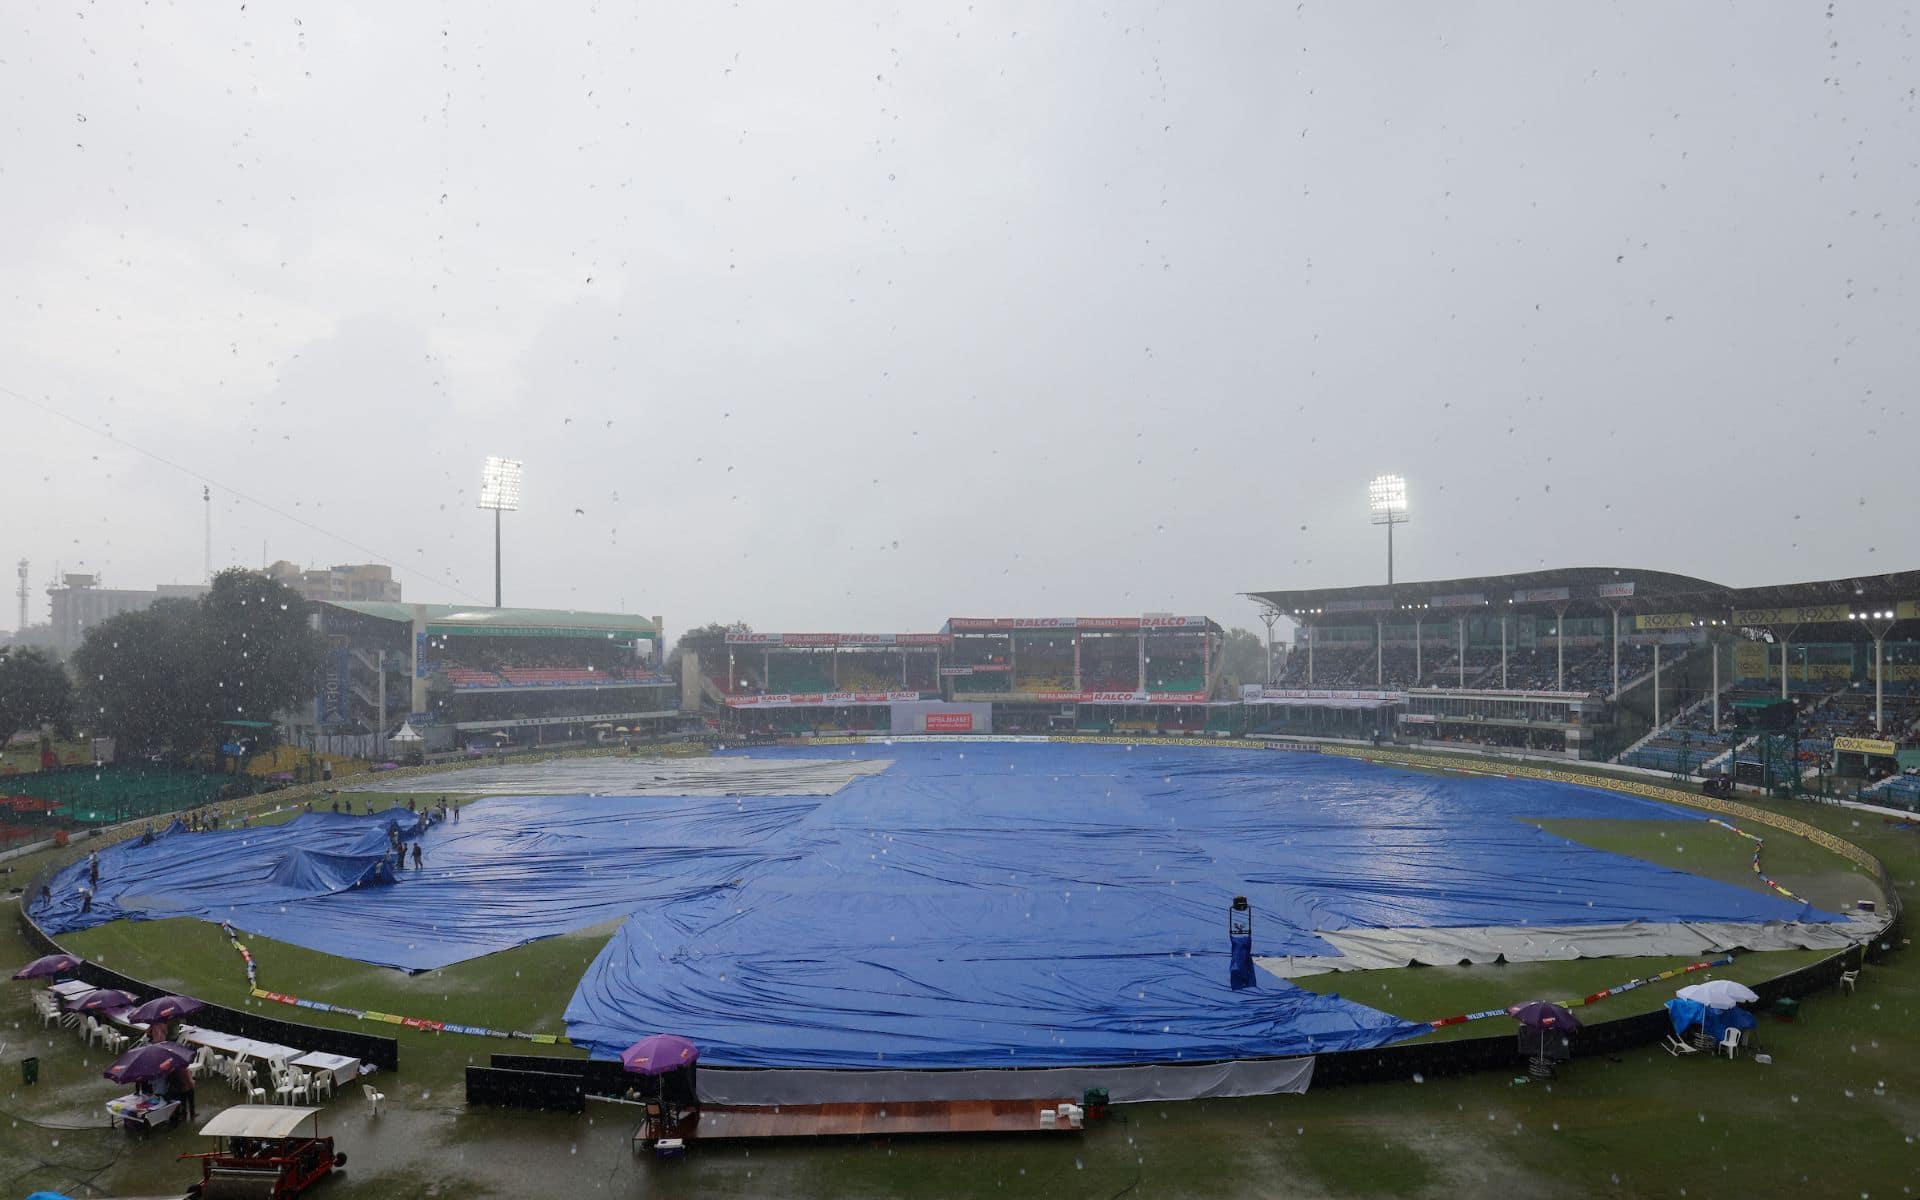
x=460 y=619
x=1157 y=623
x=1586 y=590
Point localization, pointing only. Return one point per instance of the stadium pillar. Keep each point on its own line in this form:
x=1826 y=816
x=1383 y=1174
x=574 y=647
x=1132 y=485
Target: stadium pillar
x=1560 y=649
x=1785 y=642
x=1309 y=630
x=1416 y=650
x=380 y=689
x=1616 y=654
x=1379 y=641
x=1463 y=651
x=1503 y=652
x=1879 y=685
x=1656 y=685
x=1715 y=648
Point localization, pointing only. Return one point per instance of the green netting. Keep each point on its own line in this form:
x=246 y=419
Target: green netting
x=92 y=796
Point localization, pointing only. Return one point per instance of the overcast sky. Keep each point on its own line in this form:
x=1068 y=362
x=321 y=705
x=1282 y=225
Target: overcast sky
x=859 y=317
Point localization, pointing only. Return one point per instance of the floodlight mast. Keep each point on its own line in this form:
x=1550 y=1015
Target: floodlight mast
x=499 y=491
x=1387 y=498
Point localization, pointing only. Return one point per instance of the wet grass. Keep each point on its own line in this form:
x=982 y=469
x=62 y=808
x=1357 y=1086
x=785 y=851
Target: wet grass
x=1818 y=875
x=524 y=989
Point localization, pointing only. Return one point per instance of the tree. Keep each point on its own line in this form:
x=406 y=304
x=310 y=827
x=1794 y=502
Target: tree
x=701 y=635
x=135 y=671
x=34 y=691
x=170 y=675
x=1243 y=658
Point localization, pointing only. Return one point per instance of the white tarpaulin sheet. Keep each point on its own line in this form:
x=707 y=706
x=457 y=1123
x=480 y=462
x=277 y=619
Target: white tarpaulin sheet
x=1385 y=949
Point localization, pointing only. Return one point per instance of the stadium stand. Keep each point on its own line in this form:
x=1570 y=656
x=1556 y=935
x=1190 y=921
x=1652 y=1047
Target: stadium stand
x=795 y=673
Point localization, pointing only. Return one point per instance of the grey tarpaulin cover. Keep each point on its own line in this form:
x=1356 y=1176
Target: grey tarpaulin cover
x=1125 y=1085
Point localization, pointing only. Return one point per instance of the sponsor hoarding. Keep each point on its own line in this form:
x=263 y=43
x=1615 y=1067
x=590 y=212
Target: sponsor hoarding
x=1656 y=621
x=1355 y=606
x=1463 y=600
x=1614 y=591
x=1541 y=595
x=1806 y=614
x=1860 y=745
x=949 y=722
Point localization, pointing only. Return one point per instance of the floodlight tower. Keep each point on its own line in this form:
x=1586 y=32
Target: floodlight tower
x=1387 y=497
x=499 y=491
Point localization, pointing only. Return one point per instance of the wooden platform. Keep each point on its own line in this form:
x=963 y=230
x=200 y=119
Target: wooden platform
x=918 y=1118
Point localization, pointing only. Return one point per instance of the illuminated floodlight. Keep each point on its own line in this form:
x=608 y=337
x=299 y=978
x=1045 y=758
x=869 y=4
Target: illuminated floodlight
x=1387 y=499
x=500 y=484
x=499 y=491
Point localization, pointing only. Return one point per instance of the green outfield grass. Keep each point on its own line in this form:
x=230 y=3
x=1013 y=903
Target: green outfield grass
x=525 y=988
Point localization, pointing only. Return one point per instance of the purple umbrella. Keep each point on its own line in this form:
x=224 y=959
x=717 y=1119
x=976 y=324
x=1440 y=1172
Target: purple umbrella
x=104 y=998
x=150 y=1061
x=659 y=1054
x=1538 y=1014
x=52 y=964
x=166 y=1008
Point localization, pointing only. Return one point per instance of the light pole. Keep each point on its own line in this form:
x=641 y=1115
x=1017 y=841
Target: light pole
x=1387 y=498
x=499 y=491
x=1268 y=616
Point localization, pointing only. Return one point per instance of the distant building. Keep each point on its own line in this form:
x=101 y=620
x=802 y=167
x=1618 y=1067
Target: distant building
x=78 y=603
x=348 y=581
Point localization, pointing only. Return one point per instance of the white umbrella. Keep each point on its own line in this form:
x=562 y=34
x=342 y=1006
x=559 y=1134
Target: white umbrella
x=406 y=734
x=1718 y=993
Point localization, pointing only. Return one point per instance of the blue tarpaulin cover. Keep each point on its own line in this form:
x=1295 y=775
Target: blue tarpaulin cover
x=975 y=904
x=1685 y=1014
x=1240 y=970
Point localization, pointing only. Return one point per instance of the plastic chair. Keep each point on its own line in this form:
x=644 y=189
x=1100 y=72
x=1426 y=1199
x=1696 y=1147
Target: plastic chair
x=322 y=1084
x=373 y=1099
x=1848 y=979
x=1730 y=1042
x=1678 y=1046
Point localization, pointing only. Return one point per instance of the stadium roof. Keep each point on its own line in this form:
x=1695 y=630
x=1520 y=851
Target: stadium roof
x=458 y=619
x=1630 y=590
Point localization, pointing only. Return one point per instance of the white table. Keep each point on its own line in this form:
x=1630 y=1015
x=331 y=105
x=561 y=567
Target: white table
x=233 y=1044
x=144 y=1111
x=343 y=1069
x=71 y=989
